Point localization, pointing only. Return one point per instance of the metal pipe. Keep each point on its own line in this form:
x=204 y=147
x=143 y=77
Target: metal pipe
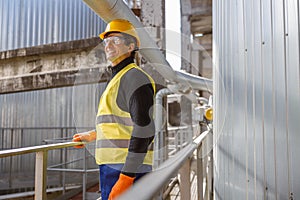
x=159 y=140
x=195 y=82
x=113 y=9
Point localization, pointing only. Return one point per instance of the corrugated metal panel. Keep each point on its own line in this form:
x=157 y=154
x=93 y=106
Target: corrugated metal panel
x=29 y=118
x=27 y=23
x=257 y=99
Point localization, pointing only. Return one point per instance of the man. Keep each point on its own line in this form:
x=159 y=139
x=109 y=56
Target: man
x=124 y=125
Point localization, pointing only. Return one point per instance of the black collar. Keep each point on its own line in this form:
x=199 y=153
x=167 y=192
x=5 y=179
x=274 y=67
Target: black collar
x=121 y=65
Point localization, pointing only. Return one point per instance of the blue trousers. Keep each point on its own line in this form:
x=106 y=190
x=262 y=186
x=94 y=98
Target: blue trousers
x=109 y=174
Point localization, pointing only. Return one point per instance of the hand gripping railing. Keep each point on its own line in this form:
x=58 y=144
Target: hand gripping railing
x=40 y=163
x=152 y=183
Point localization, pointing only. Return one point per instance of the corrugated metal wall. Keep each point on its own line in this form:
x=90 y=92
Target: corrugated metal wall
x=58 y=107
x=30 y=118
x=256 y=99
x=27 y=23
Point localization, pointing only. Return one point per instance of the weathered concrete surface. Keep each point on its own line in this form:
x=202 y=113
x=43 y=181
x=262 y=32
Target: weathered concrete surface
x=45 y=80
x=186 y=61
x=55 y=65
x=152 y=15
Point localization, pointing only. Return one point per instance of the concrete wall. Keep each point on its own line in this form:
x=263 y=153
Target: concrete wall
x=54 y=65
x=45 y=43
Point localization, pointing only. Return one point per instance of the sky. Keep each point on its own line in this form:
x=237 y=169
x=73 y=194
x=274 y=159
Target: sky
x=173 y=20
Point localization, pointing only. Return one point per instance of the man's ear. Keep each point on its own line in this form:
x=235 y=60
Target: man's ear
x=131 y=46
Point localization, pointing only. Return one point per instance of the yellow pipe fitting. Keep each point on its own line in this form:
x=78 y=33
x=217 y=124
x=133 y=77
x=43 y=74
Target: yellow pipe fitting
x=209 y=114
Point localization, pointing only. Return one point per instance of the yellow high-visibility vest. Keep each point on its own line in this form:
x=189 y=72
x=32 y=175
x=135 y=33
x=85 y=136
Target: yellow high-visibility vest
x=114 y=126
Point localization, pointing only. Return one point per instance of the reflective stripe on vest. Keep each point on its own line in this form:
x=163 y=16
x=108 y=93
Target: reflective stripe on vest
x=114 y=119
x=118 y=143
x=114 y=126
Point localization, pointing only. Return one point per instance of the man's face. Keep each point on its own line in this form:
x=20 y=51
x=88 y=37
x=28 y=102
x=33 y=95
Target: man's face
x=115 y=48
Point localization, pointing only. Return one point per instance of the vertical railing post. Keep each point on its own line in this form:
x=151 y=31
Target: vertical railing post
x=185 y=183
x=207 y=150
x=199 y=172
x=84 y=175
x=41 y=175
x=210 y=167
x=11 y=168
x=64 y=160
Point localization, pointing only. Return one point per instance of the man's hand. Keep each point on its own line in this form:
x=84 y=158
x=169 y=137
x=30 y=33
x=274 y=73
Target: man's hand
x=84 y=137
x=123 y=183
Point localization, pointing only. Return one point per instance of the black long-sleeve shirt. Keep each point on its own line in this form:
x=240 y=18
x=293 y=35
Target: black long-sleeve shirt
x=135 y=96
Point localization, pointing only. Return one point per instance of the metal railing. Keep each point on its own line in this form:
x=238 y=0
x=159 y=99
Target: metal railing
x=40 y=163
x=180 y=163
x=17 y=172
x=142 y=190
x=174 y=159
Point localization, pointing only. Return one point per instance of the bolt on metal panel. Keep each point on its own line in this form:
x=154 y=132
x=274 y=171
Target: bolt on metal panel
x=256 y=82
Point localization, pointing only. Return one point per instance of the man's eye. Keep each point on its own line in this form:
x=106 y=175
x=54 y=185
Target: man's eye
x=114 y=40
x=117 y=40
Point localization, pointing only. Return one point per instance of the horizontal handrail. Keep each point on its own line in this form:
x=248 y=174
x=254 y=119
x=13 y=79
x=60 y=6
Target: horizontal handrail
x=45 y=127
x=73 y=170
x=141 y=190
x=31 y=193
x=40 y=163
x=160 y=177
x=34 y=149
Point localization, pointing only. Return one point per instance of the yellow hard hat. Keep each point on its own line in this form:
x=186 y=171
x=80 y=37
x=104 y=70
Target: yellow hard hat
x=121 y=26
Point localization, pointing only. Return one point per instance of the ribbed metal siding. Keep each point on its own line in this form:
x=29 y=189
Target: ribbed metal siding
x=27 y=23
x=256 y=99
x=53 y=109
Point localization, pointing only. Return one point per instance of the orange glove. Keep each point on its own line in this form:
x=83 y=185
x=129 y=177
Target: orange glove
x=121 y=186
x=76 y=138
x=84 y=137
